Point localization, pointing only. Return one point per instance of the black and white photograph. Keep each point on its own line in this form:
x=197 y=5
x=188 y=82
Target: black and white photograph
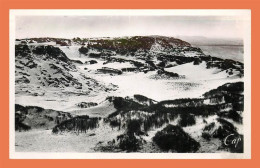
x=130 y=82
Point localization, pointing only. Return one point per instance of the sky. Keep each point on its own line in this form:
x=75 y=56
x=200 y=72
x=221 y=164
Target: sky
x=115 y=26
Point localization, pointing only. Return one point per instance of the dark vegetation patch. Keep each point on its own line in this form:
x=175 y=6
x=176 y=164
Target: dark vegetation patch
x=226 y=64
x=169 y=74
x=58 y=62
x=94 y=55
x=187 y=120
x=203 y=110
x=20 y=115
x=233 y=96
x=107 y=70
x=114 y=123
x=220 y=130
x=128 y=142
x=141 y=97
x=34 y=117
x=91 y=62
x=60 y=41
x=63 y=43
x=158 y=114
x=229 y=88
x=133 y=44
x=197 y=61
x=183 y=102
x=206 y=136
x=226 y=129
x=48 y=51
x=211 y=62
x=86 y=104
x=123 y=104
x=175 y=139
x=51 y=52
x=131 y=141
x=157 y=120
x=234 y=115
x=22 y=79
x=83 y=50
x=22 y=50
x=20 y=126
x=130 y=69
x=77 y=61
x=143 y=100
x=178 y=59
x=134 y=127
x=78 y=124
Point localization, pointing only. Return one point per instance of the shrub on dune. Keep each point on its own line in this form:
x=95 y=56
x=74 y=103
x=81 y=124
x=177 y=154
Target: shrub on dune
x=174 y=138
